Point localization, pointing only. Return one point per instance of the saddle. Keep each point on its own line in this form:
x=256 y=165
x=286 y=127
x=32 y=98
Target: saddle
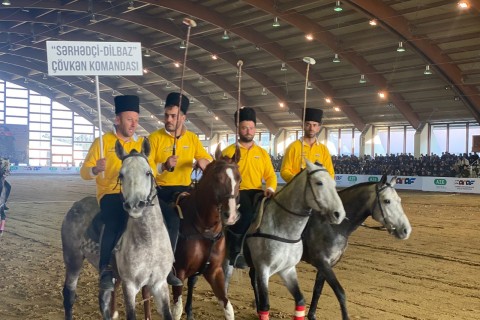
x=92 y=236
x=260 y=202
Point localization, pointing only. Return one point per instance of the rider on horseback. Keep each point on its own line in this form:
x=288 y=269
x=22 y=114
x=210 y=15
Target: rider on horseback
x=255 y=165
x=105 y=171
x=293 y=161
x=174 y=158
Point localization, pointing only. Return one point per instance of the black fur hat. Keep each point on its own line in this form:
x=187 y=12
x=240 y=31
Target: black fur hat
x=173 y=99
x=127 y=103
x=313 y=115
x=246 y=114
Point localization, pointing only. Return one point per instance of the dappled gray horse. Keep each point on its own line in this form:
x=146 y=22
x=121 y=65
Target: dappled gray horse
x=276 y=246
x=324 y=244
x=143 y=256
x=4 y=172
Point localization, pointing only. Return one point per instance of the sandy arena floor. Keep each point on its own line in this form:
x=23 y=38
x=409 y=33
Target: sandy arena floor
x=433 y=275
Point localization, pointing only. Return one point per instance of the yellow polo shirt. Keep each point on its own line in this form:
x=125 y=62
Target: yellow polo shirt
x=255 y=165
x=188 y=148
x=108 y=182
x=292 y=160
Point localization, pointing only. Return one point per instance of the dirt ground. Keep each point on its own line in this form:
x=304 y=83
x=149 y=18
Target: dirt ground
x=433 y=275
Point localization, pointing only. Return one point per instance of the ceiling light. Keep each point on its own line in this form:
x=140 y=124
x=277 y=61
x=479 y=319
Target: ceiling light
x=183 y=44
x=338 y=7
x=216 y=118
x=400 y=47
x=93 y=19
x=192 y=100
x=390 y=105
x=70 y=99
x=113 y=93
x=225 y=97
x=328 y=100
x=214 y=57
x=130 y=5
x=62 y=30
x=168 y=85
x=309 y=85
x=225 y=35
x=25 y=80
x=145 y=70
x=139 y=90
x=362 y=79
x=373 y=22
x=309 y=37
x=427 y=70
x=281 y=104
x=200 y=80
x=176 y=64
x=456 y=98
x=336 y=109
x=44 y=77
x=264 y=92
x=275 y=22
x=463 y=4
x=147 y=53
x=284 y=67
x=6 y=2
x=382 y=94
x=336 y=59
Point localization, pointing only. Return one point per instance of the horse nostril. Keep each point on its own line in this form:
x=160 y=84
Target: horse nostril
x=127 y=206
x=337 y=214
x=141 y=204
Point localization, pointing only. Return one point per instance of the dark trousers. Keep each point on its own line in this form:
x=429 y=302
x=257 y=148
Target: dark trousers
x=8 y=187
x=115 y=220
x=247 y=211
x=167 y=197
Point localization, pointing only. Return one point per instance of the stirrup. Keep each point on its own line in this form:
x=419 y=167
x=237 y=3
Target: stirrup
x=240 y=262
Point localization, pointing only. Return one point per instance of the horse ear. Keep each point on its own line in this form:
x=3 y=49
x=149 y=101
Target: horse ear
x=237 y=154
x=119 y=150
x=310 y=165
x=218 y=152
x=393 y=181
x=383 y=180
x=146 y=147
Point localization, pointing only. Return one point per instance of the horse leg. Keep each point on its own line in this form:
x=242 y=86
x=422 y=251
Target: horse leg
x=113 y=301
x=177 y=302
x=104 y=297
x=253 y=282
x=317 y=291
x=228 y=271
x=216 y=280
x=73 y=267
x=289 y=277
x=147 y=309
x=162 y=299
x=188 y=305
x=263 y=303
x=337 y=289
x=129 y=293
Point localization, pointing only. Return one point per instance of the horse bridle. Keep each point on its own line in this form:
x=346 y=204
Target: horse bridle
x=308 y=212
x=377 y=202
x=153 y=189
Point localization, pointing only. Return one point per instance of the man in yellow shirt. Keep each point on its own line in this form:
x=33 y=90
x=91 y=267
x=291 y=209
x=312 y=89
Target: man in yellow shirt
x=105 y=172
x=255 y=166
x=175 y=170
x=293 y=160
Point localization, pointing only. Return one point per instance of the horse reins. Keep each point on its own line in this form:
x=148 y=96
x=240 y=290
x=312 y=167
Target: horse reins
x=306 y=215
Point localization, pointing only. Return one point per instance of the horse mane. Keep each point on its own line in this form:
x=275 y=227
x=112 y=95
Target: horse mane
x=358 y=185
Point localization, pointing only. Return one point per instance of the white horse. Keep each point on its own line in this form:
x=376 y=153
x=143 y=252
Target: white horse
x=276 y=246
x=144 y=256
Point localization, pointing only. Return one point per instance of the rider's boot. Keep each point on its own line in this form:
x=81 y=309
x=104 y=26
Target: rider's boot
x=236 y=251
x=171 y=278
x=106 y=279
x=107 y=243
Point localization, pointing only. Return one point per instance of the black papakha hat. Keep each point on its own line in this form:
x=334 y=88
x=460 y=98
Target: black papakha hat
x=313 y=115
x=246 y=114
x=173 y=99
x=127 y=103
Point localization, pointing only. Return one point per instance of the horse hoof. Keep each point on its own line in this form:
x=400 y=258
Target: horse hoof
x=229 y=313
x=115 y=315
x=177 y=309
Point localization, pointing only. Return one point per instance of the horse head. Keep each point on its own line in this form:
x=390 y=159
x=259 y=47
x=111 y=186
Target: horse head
x=388 y=209
x=4 y=167
x=223 y=177
x=323 y=198
x=136 y=179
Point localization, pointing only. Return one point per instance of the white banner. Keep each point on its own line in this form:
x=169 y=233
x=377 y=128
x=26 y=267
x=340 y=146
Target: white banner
x=43 y=170
x=461 y=185
x=79 y=58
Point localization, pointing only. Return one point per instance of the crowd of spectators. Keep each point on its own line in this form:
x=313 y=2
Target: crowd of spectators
x=444 y=165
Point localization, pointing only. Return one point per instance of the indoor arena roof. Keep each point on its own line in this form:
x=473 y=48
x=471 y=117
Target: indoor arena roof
x=435 y=79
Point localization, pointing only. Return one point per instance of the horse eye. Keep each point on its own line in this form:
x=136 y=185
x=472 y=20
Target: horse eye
x=319 y=183
x=149 y=173
x=120 y=176
x=386 y=201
